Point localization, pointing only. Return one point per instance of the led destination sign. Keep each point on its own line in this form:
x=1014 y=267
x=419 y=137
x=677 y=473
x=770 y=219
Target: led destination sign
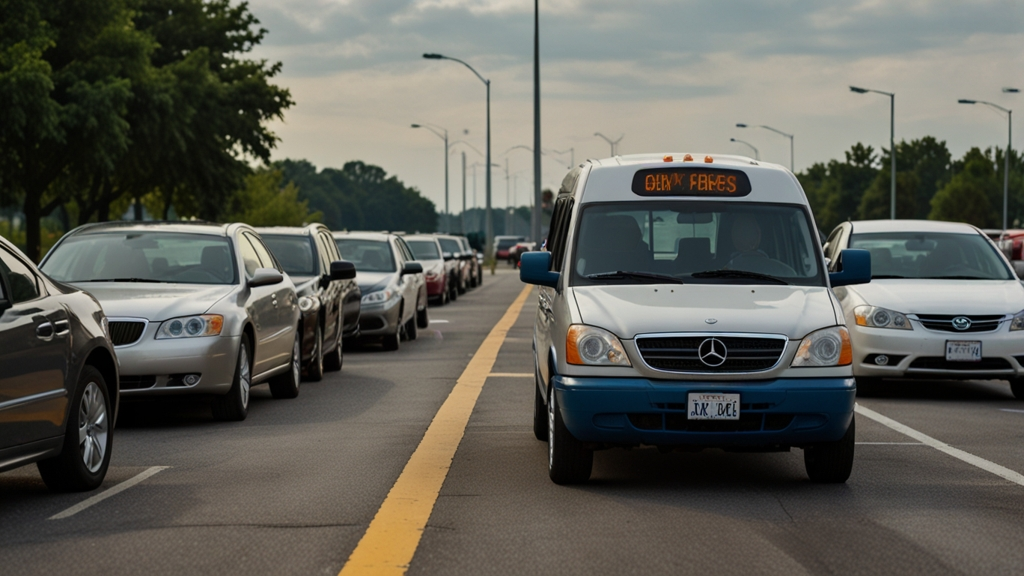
x=696 y=181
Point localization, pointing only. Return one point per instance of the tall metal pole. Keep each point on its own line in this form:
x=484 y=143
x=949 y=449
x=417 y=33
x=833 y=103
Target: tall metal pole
x=447 y=210
x=535 y=219
x=463 y=215
x=1006 y=166
x=489 y=234
x=892 y=155
x=508 y=198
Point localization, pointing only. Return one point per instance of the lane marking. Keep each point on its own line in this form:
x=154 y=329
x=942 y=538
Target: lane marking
x=957 y=453
x=890 y=444
x=391 y=540
x=510 y=375
x=439 y=322
x=1012 y=410
x=107 y=493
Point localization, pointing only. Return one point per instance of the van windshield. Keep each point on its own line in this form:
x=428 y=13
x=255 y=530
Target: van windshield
x=696 y=242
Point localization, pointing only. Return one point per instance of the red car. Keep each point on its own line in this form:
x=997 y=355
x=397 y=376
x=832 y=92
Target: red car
x=427 y=251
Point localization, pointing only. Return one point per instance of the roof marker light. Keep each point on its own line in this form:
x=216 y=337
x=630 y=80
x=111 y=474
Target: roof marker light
x=687 y=158
x=667 y=158
x=708 y=159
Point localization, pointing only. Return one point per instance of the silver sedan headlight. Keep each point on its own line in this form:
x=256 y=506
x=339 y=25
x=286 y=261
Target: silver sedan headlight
x=1018 y=322
x=876 y=317
x=379 y=296
x=191 y=327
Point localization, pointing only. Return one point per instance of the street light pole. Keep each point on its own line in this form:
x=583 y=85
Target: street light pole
x=613 y=143
x=757 y=156
x=780 y=132
x=462 y=228
x=1006 y=155
x=447 y=212
x=892 y=144
x=488 y=229
x=572 y=156
x=535 y=215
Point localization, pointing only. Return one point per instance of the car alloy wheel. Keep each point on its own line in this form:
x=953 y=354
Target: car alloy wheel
x=235 y=404
x=93 y=427
x=88 y=437
x=315 y=370
x=287 y=385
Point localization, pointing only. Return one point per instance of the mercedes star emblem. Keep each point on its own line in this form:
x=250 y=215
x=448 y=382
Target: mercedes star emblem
x=712 y=352
x=961 y=323
x=711 y=321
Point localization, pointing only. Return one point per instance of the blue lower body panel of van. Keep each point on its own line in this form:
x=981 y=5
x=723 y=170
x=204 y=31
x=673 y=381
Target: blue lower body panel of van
x=631 y=411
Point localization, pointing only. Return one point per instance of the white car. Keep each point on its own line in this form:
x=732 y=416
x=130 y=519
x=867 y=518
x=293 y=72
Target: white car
x=943 y=302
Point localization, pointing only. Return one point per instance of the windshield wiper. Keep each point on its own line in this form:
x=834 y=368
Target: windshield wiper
x=123 y=280
x=635 y=276
x=737 y=274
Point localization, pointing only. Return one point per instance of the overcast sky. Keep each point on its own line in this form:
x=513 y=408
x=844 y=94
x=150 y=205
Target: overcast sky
x=666 y=75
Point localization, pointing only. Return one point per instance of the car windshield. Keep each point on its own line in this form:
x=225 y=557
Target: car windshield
x=506 y=243
x=295 y=253
x=143 y=256
x=687 y=242
x=424 y=249
x=450 y=245
x=931 y=255
x=367 y=255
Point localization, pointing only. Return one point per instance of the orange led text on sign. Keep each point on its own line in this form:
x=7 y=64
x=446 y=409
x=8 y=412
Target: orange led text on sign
x=700 y=182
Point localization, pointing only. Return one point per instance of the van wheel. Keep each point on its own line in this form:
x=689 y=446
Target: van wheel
x=1017 y=387
x=540 y=413
x=88 y=438
x=831 y=462
x=234 y=405
x=287 y=385
x=334 y=359
x=315 y=370
x=569 y=461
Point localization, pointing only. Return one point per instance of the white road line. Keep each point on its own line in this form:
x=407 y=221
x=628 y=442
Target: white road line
x=107 y=493
x=1012 y=410
x=971 y=459
x=439 y=322
x=890 y=444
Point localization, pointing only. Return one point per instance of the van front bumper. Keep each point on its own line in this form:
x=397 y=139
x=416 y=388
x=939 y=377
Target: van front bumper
x=774 y=413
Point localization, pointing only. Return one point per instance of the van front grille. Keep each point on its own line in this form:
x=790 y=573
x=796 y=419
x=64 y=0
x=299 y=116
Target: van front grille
x=727 y=354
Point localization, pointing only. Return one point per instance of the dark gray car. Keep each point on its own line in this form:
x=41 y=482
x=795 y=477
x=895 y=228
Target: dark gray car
x=58 y=377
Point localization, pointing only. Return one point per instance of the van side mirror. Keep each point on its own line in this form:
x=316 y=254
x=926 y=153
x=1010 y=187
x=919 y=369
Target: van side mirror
x=342 y=270
x=854 y=268
x=535 y=268
x=265 y=277
x=412 y=268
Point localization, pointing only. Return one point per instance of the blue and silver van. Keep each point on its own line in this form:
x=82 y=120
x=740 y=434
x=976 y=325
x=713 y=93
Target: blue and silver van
x=685 y=303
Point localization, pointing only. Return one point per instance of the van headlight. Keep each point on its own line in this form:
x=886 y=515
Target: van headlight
x=191 y=327
x=827 y=347
x=876 y=317
x=1018 y=322
x=590 y=346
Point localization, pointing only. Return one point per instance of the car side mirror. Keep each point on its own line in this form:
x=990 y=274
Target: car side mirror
x=265 y=277
x=342 y=270
x=535 y=268
x=854 y=268
x=412 y=268
x=447 y=256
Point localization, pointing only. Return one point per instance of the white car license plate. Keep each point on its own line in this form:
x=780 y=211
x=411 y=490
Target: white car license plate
x=963 y=351
x=713 y=406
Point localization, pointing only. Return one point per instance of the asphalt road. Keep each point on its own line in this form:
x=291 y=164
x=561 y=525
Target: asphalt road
x=293 y=489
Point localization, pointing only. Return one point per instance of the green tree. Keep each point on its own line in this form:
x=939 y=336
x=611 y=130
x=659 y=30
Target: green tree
x=972 y=194
x=922 y=166
x=835 y=190
x=263 y=202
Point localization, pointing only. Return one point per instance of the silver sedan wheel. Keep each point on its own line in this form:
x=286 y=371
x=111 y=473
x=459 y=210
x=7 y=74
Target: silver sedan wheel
x=297 y=361
x=244 y=376
x=93 y=427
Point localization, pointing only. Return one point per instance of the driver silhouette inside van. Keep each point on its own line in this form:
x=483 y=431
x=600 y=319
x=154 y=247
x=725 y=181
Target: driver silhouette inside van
x=746 y=239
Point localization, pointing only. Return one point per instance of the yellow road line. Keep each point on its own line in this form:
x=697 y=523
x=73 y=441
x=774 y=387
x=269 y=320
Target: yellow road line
x=390 y=541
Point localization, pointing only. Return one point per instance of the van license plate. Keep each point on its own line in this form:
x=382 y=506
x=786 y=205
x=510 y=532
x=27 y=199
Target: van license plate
x=963 y=351
x=713 y=406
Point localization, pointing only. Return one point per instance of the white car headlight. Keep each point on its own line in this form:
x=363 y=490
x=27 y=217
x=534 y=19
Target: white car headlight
x=307 y=303
x=1018 y=322
x=379 y=296
x=191 y=327
x=826 y=347
x=590 y=346
x=876 y=317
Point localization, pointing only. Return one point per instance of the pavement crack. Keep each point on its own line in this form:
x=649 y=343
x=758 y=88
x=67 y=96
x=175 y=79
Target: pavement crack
x=783 y=506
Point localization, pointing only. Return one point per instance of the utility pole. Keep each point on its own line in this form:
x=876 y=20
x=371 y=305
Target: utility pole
x=535 y=220
x=463 y=228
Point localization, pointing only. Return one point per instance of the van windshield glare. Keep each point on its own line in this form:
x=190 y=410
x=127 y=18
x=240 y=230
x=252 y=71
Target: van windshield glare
x=696 y=242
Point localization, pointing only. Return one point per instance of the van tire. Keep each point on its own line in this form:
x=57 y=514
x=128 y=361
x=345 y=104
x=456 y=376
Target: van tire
x=569 y=460
x=831 y=462
x=540 y=413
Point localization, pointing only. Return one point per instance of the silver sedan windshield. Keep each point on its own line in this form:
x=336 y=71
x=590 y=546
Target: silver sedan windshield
x=143 y=257
x=934 y=255
x=696 y=242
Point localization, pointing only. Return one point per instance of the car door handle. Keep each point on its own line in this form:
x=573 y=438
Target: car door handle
x=63 y=327
x=44 y=331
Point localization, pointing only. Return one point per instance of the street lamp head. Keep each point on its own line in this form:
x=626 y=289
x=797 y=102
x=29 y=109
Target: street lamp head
x=433 y=56
x=858 y=90
x=1011 y=90
x=732 y=140
x=964 y=101
x=741 y=125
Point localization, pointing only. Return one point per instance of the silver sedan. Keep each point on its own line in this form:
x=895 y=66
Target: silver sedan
x=193 y=308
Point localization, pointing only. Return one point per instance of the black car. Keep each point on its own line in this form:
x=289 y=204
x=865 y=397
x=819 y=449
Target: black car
x=329 y=298
x=58 y=377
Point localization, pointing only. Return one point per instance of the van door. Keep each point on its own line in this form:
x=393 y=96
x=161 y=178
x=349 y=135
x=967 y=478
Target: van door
x=558 y=239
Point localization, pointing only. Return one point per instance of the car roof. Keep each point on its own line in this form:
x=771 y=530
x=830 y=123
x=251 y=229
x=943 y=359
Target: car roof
x=379 y=236
x=420 y=237
x=611 y=179
x=184 y=226
x=869 y=226
x=291 y=230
